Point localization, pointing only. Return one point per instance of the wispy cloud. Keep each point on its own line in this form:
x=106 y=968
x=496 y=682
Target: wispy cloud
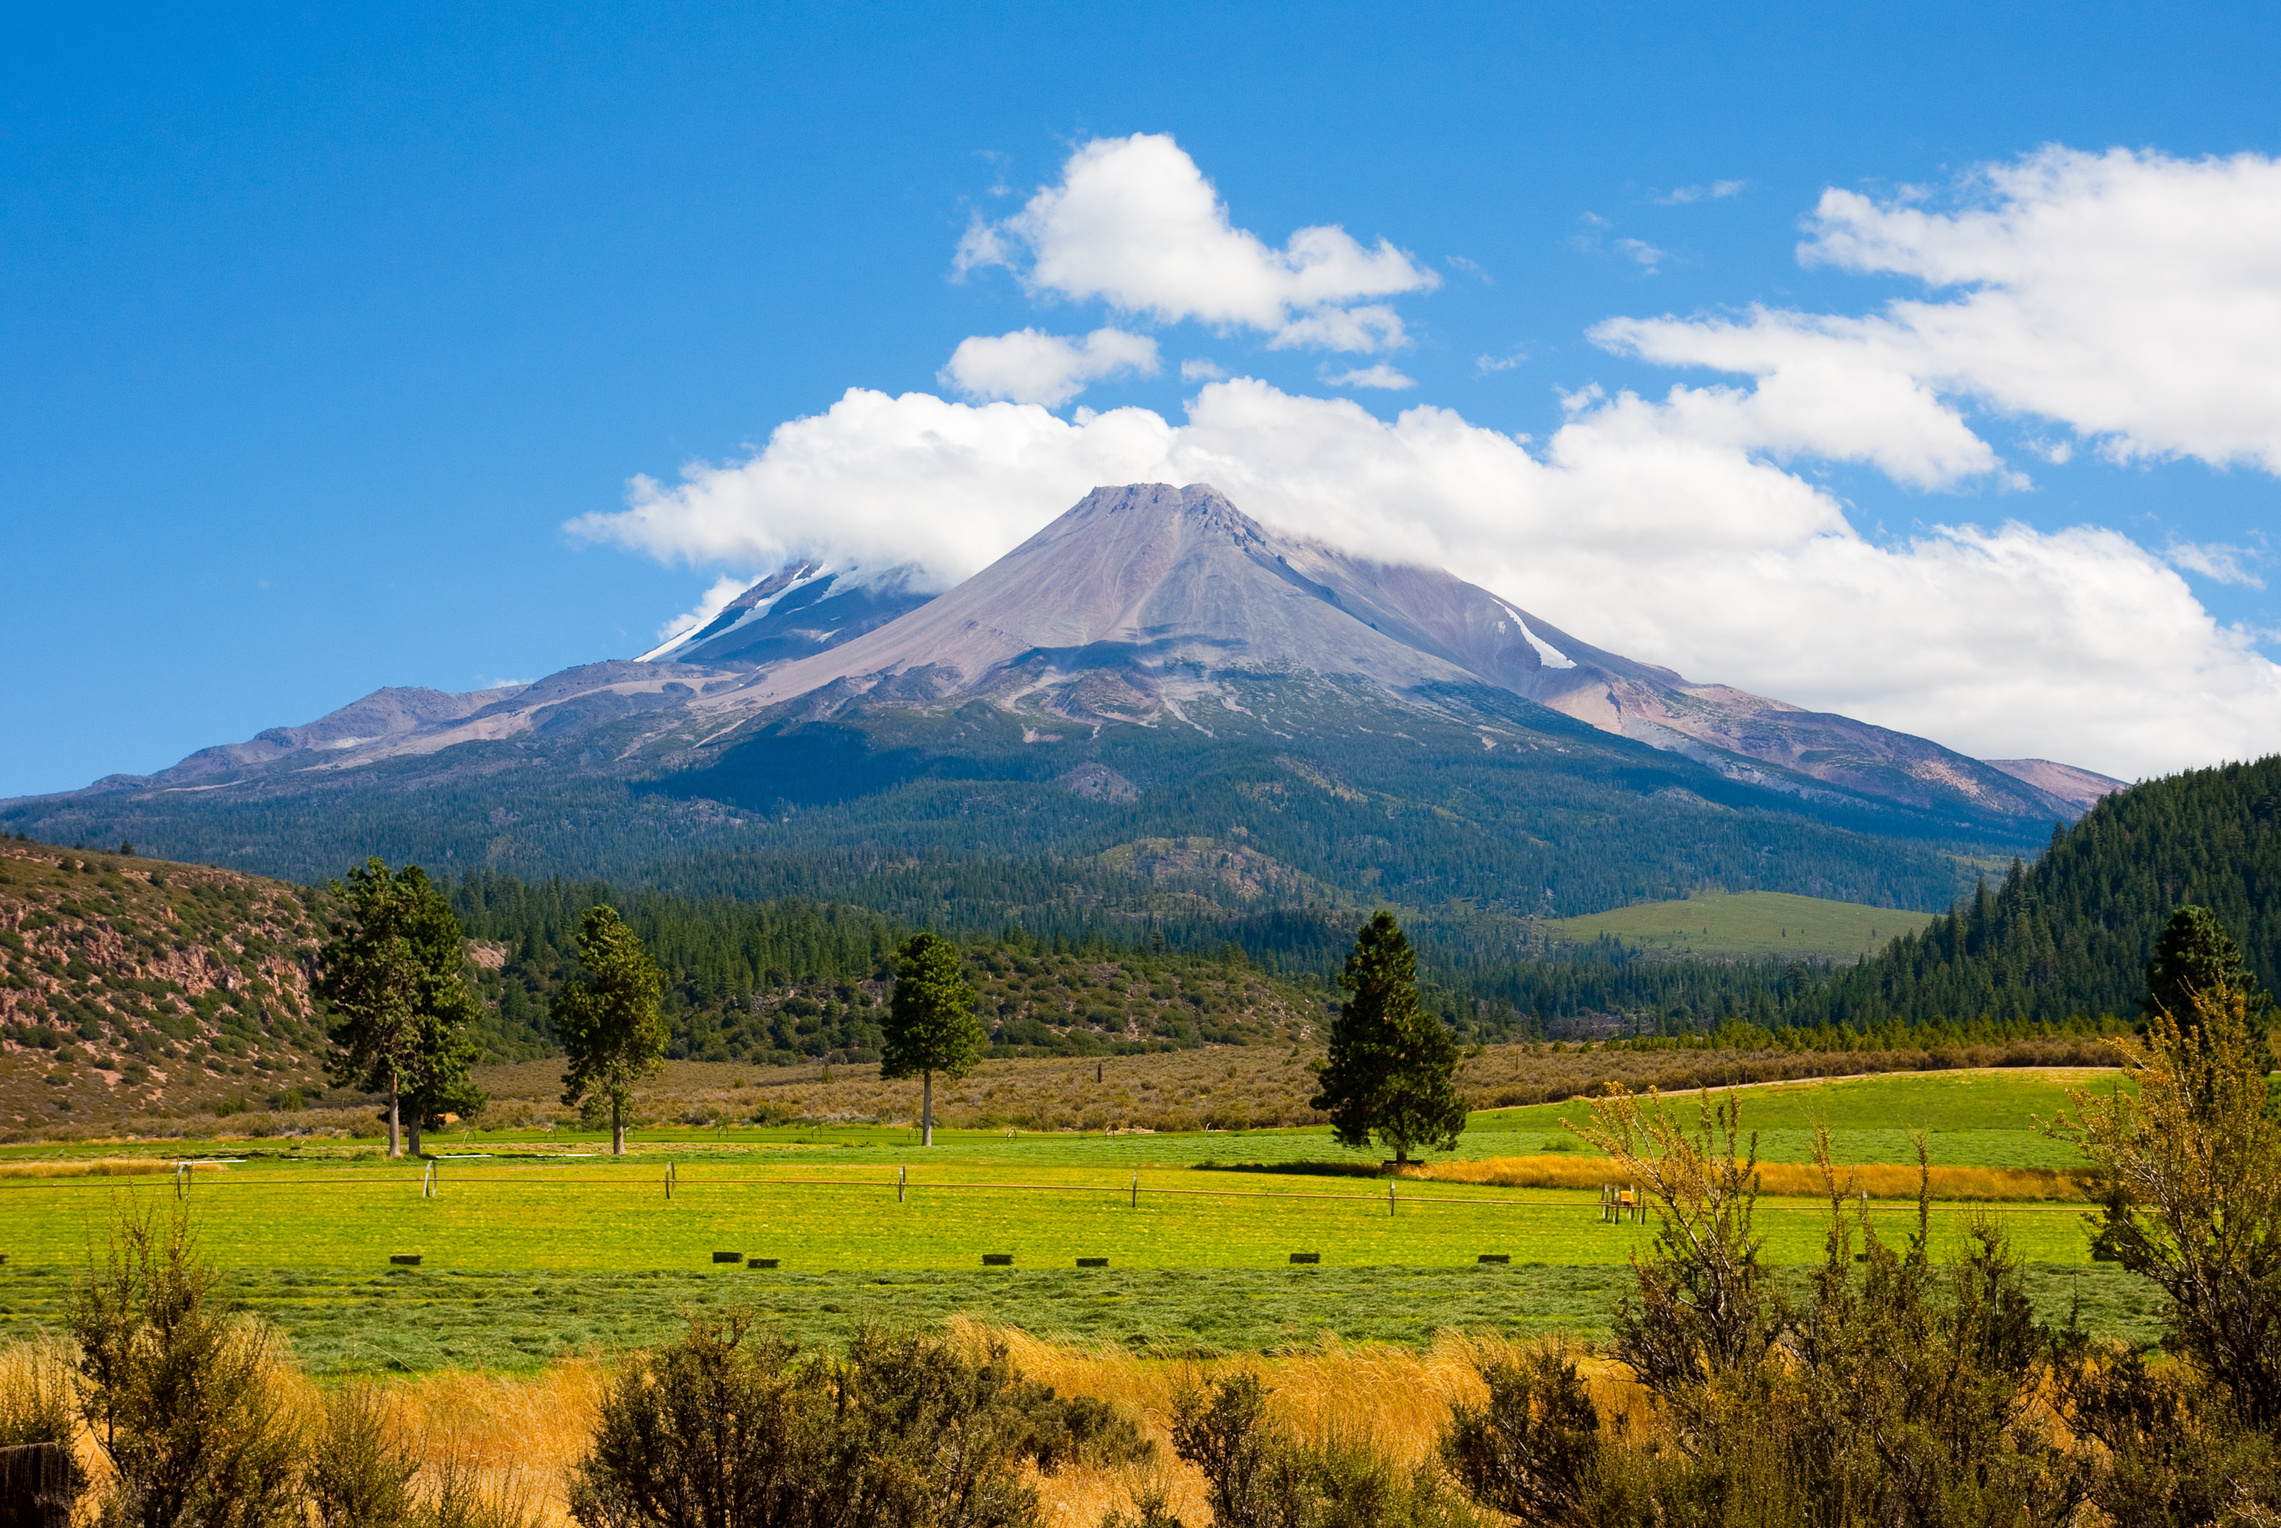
x=1643 y=254
x=1717 y=190
x=2216 y=561
x=1198 y=369
x=1460 y=263
x=1381 y=375
x=1490 y=364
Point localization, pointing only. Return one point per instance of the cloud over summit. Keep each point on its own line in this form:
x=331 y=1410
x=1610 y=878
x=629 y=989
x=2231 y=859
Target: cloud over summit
x=2130 y=300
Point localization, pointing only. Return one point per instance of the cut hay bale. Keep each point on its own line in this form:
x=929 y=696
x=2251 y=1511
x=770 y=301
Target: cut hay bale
x=728 y=1257
x=760 y=1262
x=1494 y=1257
x=1306 y=1257
x=405 y=1259
x=1092 y=1262
x=997 y=1259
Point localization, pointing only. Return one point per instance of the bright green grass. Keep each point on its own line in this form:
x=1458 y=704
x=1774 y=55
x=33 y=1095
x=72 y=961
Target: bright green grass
x=502 y=1216
x=536 y=1248
x=1971 y=1119
x=423 y=1319
x=1719 y=923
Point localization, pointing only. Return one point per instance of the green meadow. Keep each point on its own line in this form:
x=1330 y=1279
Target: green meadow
x=1725 y=924
x=533 y=1247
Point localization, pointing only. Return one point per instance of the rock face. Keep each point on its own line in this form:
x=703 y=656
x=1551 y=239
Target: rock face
x=1149 y=604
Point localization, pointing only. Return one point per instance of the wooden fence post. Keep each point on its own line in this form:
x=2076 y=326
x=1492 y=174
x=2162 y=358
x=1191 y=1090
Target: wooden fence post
x=902 y=1178
x=1136 y=1191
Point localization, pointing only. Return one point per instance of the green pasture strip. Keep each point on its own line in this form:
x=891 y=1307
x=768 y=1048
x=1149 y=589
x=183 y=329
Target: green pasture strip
x=1972 y=1119
x=618 y=1217
x=1975 y=1119
x=1719 y=923
x=415 y=1320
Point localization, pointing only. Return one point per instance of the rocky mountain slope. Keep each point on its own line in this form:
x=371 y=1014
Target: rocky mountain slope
x=1152 y=665
x=133 y=986
x=1135 y=608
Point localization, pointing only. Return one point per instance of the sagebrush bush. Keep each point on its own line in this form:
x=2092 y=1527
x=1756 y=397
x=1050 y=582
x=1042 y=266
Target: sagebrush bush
x=734 y=1428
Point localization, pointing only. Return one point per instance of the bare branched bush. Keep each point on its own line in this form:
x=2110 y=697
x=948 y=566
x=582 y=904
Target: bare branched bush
x=1702 y=1308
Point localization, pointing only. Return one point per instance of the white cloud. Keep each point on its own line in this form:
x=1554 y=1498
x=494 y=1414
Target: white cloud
x=1380 y=375
x=1647 y=527
x=1489 y=364
x=1134 y=223
x=1201 y=370
x=710 y=604
x=1031 y=366
x=2131 y=297
x=1471 y=268
x=2213 y=560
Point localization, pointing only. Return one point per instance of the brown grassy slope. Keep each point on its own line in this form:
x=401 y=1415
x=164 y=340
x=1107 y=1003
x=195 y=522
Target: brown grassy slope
x=1216 y=1087
x=139 y=986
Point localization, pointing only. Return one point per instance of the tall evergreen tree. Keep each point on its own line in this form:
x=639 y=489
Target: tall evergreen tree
x=931 y=1025
x=2194 y=957
x=391 y=974
x=608 y=1018
x=1392 y=1067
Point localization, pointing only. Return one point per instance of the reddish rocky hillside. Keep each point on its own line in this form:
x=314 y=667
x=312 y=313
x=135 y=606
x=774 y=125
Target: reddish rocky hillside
x=139 y=987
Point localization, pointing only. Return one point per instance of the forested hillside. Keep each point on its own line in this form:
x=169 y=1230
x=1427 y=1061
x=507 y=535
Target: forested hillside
x=959 y=819
x=2071 y=934
x=791 y=979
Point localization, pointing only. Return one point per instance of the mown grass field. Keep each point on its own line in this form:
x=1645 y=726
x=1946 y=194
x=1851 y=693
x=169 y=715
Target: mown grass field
x=535 y=1247
x=1726 y=924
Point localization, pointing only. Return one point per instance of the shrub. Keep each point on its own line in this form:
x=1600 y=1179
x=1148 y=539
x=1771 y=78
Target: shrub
x=730 y=1427
x=1257 y=1475
x=358 y=1475
x=36 y=1406
x=181 y=1399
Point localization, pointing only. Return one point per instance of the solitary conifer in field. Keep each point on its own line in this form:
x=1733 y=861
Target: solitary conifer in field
x=608 y=1018
x=1392 y=1067
x=931 y=1025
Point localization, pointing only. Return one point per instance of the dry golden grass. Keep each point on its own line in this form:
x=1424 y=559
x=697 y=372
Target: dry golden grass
x=116 y=1167
x=1396 y=1398
x=1880 y=1180
x=517 y=1437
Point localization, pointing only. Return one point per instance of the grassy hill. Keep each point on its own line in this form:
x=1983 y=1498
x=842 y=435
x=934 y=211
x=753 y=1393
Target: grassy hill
x=1717 y=924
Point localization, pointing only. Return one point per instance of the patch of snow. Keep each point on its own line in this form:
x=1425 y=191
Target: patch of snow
x=1553 y=657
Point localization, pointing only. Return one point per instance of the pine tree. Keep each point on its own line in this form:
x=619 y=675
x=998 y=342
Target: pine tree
x=392 y=976
x=931 y=1025
x=1392 y=1066
x=608 y=1018
x=2195 y=957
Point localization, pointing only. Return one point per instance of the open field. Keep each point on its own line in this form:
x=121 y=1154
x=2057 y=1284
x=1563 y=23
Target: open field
x=537 y=1246
x=1727 y=924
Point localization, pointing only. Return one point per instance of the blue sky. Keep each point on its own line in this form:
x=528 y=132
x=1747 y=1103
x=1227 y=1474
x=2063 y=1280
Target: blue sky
x=317 y=328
